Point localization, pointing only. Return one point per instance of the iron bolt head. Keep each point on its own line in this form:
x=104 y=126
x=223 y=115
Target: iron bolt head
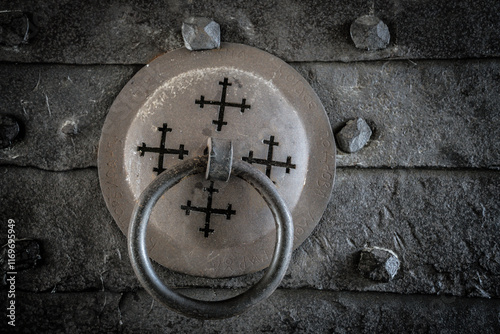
x=9 y=130
x=14 y=28
x=354 y=135
x=200 y=33
x=378 y=264
x=370 y=33
x=28 y=255
x=69 y=128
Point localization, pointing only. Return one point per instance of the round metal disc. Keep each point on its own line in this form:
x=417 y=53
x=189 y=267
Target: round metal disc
x=165 y=114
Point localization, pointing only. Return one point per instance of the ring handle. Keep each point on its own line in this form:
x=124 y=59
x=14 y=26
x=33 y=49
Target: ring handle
x=210 y=309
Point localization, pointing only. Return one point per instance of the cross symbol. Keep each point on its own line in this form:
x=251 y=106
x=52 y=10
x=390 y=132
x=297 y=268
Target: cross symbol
x=209 y=210
x=269 y=162
x=162 y=150
x=222 y=104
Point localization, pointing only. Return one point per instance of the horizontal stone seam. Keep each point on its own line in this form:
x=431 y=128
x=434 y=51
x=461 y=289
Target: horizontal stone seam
x=66 y=292
x=18 y=63
x=396 y=59
x=284 y=290
x=493 y=169
x=423 y=168
x=13 y=166
x=290 y=62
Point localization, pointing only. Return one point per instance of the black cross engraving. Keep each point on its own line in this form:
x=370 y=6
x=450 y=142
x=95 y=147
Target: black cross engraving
x=209 y=210
x=269 y=162
x=222 y=104
x=162 y=150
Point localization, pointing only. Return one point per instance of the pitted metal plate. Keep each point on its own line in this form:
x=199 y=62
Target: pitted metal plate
x=165 y=114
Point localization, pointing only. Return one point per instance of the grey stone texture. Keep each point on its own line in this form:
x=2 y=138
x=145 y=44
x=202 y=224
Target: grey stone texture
x=61 y=109
x=286 y=311
x=132 y=32
x=442 y=225
x=422 y=114
x=354 y=135
x=416 y=111
x=370 y=33
x=200 y=33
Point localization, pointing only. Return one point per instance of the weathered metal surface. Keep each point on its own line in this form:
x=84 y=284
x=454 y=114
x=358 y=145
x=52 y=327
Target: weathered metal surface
x=184 y=97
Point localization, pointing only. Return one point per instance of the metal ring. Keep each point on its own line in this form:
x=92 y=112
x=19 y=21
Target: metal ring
x=210 y=309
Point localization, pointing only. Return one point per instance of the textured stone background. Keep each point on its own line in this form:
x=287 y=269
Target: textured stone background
x=427 y=185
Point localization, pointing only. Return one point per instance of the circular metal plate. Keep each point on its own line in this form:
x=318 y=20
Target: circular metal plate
x=166 y=112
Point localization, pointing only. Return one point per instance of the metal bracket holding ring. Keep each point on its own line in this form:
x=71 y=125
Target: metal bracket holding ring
x=164 y=115
x=217 y=165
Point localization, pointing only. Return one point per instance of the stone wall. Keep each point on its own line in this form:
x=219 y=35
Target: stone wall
x=426 y=186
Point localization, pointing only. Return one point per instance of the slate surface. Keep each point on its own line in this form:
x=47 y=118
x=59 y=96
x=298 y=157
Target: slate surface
x=443 y=226
x=286 y=311
x=423 y=114
x=44 y=98
x=134 y=32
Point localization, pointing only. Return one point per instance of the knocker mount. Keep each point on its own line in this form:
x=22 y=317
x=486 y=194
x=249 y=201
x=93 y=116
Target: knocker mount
x=162 y=119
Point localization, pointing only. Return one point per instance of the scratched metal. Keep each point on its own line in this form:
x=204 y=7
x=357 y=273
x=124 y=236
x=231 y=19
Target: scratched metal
x=165 y=114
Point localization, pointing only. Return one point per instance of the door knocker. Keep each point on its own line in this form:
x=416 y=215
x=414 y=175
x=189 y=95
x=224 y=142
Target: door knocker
x=270 y=164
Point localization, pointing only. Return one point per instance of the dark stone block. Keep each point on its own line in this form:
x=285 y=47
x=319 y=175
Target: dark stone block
x=443 y=226
x=61 y=108
x=134 y=32
x=88 y=312
x=422 y=114
x=83 y=247
x=286 y=311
